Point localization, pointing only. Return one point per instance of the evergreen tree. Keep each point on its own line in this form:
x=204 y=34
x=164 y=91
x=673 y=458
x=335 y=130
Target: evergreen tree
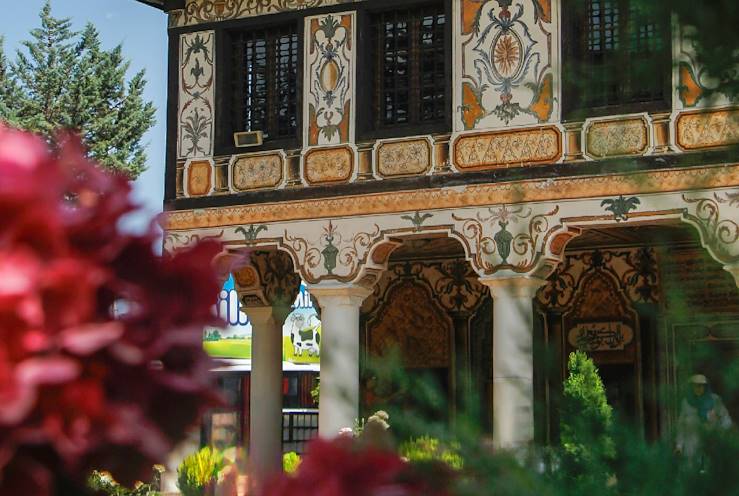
x=8 y=89
x=110 y=113
x=586 y=424
x=44 y=74
x=66 y=80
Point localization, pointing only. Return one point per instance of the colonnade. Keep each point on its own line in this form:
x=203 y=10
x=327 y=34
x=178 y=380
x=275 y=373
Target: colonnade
x=513 y=410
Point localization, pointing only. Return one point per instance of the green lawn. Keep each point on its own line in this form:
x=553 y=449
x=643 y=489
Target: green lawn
x=241 y=348
x=228 y=348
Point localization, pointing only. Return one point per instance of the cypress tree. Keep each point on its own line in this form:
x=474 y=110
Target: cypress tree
x=66 y=80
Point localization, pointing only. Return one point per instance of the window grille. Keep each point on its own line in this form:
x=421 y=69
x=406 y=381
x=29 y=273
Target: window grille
x=409 y=65
x=619 y=54
x=299 y=426
x=265 y=81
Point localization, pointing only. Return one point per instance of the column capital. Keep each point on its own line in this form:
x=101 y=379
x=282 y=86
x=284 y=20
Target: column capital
x=513 y=286
x=332 y=293
x=267 y=280
x=267 y=315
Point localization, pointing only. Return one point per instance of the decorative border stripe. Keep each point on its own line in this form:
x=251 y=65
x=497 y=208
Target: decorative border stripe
x=661 y=181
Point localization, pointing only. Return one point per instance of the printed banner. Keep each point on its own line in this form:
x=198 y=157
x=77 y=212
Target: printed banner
x=301 y=332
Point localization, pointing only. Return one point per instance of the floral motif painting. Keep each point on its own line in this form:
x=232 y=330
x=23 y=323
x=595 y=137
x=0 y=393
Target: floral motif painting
x=328 y=165
x=412 y=323
x=690 y=81
x=403 y=157
x=196 y=111
x=200 y=11
x=514 y=148
x=256 y=171
x=199 y=178
x=707 y=129
x=508 y=57
x=616 y=137
x=330 y=68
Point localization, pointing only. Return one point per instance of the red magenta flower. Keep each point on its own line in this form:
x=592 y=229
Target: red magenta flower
x=101 y=361
x=343 y=467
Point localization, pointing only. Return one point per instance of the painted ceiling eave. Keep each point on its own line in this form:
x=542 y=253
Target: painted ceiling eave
x=159 y=4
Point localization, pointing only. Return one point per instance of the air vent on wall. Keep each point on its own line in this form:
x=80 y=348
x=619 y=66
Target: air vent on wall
x=247 y=139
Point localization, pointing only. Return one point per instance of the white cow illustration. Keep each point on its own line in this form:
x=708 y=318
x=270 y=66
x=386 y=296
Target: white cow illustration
x=305 y=334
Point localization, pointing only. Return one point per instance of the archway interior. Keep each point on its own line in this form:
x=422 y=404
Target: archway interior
x=651 y=307
x=423 y=313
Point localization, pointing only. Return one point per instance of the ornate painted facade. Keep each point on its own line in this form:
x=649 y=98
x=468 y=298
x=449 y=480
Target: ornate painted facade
x=559 y=228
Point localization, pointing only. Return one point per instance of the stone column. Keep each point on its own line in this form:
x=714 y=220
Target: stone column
x=513 y=358
x=265 y=420
x=339 y=398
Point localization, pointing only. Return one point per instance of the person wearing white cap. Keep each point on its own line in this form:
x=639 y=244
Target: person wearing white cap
x=701 y=409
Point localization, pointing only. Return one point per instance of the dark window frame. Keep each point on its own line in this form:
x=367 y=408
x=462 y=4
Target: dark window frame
x=366 y=74
x=576 y=66
x=229 y=97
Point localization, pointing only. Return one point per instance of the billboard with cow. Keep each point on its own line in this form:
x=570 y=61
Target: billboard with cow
x=301 y=332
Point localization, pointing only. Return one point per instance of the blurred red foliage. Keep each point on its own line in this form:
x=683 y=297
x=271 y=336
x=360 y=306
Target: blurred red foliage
x=344 y=467
x=101 y=361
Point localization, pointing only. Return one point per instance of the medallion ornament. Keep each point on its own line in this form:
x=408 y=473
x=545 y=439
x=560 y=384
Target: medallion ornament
x=509 y=58
x=600 y=336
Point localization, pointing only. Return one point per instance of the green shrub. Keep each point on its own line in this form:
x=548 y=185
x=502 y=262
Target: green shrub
x=315 y=393
x=104 y=483
x=428 y=449
x=586 y=423
x=199 y=472
x=290 y=462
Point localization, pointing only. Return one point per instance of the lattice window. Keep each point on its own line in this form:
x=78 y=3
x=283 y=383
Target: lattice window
x=618 y=54
x=408 y=52
x=265 y=81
